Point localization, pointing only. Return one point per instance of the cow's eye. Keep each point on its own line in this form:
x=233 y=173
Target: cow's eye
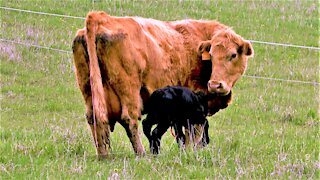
x=234 y=55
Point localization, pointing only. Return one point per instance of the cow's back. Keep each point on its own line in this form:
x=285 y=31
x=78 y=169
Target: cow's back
x=162 y=50
x=150 y=48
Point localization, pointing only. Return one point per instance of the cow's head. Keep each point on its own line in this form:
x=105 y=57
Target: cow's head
x=228 y=53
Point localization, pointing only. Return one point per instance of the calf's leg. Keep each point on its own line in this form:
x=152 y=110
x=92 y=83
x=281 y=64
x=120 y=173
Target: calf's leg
x=147 y=125
x=180 y=137
x=205 y=137
x=156 y=138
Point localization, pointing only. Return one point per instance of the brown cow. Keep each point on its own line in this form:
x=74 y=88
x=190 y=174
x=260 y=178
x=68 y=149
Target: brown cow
x=120 y=61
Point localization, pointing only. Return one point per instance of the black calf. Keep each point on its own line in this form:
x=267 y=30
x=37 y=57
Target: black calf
x=176 y=107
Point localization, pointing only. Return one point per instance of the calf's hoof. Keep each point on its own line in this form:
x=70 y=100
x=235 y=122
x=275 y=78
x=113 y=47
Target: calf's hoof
x=155 y=147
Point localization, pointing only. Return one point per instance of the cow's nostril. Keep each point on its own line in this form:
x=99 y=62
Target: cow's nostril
x=215 y=85
x=219 y=87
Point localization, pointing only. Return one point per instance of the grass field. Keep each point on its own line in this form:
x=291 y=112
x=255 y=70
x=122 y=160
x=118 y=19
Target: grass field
x=271 y=130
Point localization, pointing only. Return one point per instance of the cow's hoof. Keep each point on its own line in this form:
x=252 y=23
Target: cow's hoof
x=102 y=156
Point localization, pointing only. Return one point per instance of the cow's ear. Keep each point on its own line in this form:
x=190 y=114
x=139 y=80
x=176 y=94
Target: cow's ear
x=203 y=50
x=204 y=46
x=249 y=50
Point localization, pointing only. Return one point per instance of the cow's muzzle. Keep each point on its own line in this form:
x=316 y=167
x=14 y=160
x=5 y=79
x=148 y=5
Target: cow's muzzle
x=219 y=87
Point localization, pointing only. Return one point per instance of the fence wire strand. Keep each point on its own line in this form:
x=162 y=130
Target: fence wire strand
x=248 y=76
x=41 y=13
x=76 y=17
x=284 y=80
x=36 y=46
x=285 y=45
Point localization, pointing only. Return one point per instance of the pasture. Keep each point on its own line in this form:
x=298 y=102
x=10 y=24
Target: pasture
x=271 y=130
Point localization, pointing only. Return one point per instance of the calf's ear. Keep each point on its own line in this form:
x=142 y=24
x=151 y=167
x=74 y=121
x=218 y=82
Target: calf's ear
x=248 y=49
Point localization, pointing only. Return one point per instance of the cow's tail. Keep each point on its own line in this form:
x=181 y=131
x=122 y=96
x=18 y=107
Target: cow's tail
x=101 y=128
x=99 y=101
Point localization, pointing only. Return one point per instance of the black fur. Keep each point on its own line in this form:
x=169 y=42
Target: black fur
x=176 y=107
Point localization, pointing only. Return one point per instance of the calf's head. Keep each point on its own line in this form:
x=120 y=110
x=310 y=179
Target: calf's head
x=228 y=53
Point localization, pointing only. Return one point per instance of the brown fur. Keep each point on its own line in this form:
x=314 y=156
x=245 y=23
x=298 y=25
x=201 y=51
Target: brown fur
x=226 y=70
x=127 y=58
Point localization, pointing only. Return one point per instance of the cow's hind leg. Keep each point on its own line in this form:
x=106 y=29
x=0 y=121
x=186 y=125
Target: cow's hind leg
x=131 y=127
x=131 y=112
x=123 y=77
x=100 y=133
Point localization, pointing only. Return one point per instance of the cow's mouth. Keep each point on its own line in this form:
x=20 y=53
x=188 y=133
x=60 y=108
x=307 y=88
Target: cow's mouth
x=222 y=93
x=219 y=92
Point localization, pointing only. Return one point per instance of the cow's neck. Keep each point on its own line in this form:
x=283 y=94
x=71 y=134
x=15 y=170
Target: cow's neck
x=199 y=74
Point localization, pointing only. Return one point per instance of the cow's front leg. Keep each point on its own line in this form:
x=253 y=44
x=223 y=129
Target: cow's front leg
x=205 y=137
x=197 y=133
x=193 y=134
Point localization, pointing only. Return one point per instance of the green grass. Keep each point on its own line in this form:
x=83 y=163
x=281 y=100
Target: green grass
x=271 y=130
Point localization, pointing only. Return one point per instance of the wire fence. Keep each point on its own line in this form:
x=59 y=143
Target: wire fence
x=82 y=18
x=35 y=46
x=285 y=45
x=41 y=13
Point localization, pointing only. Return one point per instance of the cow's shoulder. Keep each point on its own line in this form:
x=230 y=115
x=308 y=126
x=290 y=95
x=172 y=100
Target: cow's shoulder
x=199 y=29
